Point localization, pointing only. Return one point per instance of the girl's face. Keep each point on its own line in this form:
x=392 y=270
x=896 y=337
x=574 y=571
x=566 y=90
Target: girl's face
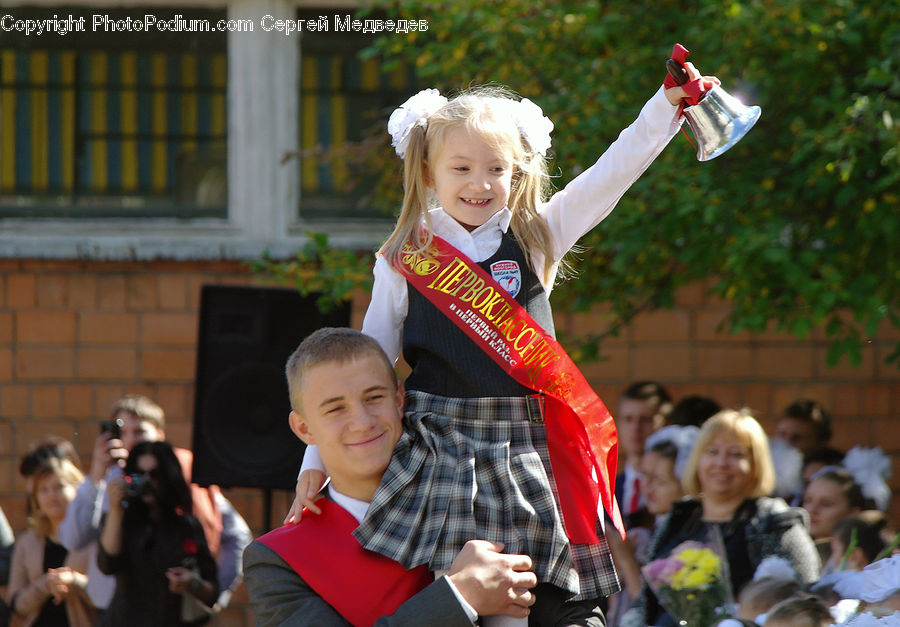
x=661 y=486
x=53 y=496
x=471 y=179
x=826 y=504
x=724 y=469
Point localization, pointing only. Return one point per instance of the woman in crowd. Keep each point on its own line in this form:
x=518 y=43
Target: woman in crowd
x=831 y=495
x=728 y=477
x=47 y=583
x=165 y=574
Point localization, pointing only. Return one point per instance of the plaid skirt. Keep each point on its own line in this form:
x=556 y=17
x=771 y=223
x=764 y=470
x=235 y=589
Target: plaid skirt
x=479 y=468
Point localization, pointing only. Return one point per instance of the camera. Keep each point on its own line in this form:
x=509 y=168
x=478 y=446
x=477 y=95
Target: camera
x=136 y=486
x=113 y=427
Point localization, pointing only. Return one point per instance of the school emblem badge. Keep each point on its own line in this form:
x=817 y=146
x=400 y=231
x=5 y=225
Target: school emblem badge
x=508 y=275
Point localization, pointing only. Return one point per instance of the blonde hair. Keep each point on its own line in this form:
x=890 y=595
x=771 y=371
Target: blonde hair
x=68 y=474
x=481 y=110
x=741 y=425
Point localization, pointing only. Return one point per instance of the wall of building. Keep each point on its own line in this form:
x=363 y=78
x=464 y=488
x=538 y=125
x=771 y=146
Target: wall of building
x=76 y=335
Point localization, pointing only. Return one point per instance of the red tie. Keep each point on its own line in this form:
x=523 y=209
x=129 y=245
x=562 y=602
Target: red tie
x=635 y=496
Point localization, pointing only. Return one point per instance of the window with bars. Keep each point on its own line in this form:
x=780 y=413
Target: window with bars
x=112 y=125
x=345 y=101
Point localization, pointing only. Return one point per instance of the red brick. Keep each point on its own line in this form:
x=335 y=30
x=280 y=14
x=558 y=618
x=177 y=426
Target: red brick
x=887 y=435
x=887 y=331
x=886 y=371
x=172 y=329
x=844 y=369
x=46 y=402
x=179 y=433
x=111 y=292
x=596 y=321
x=784 y=362
x=15 y=401
x=20 y=291
x=726 y=362
x=45 y=363
x=758 y=396
x=82 y=291
x=106 y=395
x=173 y=291
x=729 y=396
x=167 y=364
x=111 y=364
x=709 y=326
x=662 y=363
x=850 y=433
x=772 y=335
x=5 y=438
x=29 y=433
x=108 y=327
x=662 y=326
x=693 y=294
x=45 y=327
x=141 y=292
x=52 y=290
x=613 y=362
x=846 y=400
x=173 y=398
x=6 y=328
x=876 y=400
x=78 y=401
x=6 y=364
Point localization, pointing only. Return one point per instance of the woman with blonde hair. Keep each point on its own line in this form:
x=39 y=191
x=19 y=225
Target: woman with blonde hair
x=728 y=478
x=47 y=582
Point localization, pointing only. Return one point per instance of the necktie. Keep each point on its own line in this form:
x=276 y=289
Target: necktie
x=635 y=496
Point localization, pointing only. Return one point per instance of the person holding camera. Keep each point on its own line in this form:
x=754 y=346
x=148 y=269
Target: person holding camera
x=134 y=419
x=165 y=572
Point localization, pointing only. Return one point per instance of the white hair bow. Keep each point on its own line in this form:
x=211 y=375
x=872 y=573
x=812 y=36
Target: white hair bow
x=414 y=112
x=870 y=468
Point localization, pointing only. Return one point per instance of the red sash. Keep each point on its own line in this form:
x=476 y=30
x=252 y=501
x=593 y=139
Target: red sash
x=581 y=434
x=361 y=585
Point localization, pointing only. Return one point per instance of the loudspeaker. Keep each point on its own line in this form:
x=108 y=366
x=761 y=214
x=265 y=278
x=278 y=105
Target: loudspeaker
x=241 y=405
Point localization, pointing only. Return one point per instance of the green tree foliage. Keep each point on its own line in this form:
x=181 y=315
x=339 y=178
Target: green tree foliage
x=797 y=226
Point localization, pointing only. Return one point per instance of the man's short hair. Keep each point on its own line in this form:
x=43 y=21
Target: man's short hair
x=330 y=344
x=812 y=412
x=652 y=392
x=141 y=408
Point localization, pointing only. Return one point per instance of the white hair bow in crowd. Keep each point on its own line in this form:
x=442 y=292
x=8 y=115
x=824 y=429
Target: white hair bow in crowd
x=533 y=125
x=682 y=437
x=788 y=463
x=867 y=619
x=775 y=567
x=414 y=112
x=870 y=468
x=872 y=584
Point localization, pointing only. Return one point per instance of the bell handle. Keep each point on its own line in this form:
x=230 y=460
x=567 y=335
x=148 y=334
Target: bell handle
x=677 y=71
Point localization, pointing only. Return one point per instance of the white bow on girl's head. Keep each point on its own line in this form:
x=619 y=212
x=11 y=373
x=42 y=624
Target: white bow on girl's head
x=533 y=125
x=870 y=468
x=414 y=112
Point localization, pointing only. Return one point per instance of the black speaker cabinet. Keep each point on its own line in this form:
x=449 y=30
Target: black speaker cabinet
x=241 y=406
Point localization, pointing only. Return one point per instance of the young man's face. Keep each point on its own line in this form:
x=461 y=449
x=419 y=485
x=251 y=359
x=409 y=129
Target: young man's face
x=800 y=434
x=635 y=421
x=352 y=411
x=135 y=430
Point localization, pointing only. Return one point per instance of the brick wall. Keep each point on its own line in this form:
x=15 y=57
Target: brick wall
x=75 y=336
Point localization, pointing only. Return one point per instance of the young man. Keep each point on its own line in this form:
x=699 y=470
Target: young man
x=140 y=419
x=643 y=408
x=805 y=425
x=346 y=399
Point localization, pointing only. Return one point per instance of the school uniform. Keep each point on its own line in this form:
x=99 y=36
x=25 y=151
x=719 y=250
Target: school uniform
x=467 y=422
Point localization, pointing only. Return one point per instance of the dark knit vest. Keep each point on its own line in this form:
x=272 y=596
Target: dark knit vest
x=447 y=363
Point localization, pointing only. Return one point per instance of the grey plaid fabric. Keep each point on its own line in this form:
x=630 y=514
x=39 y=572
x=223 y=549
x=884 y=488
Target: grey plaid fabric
x=470 y=468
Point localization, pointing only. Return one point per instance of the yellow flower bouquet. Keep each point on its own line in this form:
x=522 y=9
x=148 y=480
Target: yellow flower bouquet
x=691 y=584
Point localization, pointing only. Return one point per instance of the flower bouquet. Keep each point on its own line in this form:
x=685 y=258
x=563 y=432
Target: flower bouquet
x=692 y=584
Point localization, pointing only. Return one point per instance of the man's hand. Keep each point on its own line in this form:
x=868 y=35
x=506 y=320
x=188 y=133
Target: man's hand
x=308 y=486
x=107 y=453
x=493 y=582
